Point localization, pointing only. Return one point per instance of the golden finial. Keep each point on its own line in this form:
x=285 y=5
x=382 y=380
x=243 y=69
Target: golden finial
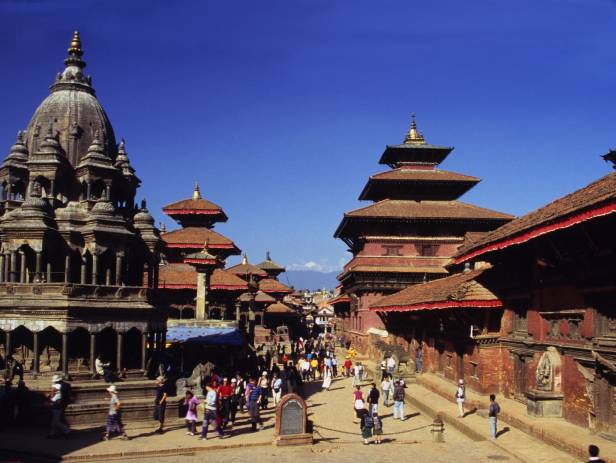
x=196 y=192
x=206 y=244
x=244 y=259
x=75 y=43
x=413 y=135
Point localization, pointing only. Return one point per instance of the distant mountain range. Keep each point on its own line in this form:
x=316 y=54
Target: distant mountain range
x=309 y=279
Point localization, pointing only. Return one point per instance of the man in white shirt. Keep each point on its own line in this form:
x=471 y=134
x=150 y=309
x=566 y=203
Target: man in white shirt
x=57 y=427
x=391 y=365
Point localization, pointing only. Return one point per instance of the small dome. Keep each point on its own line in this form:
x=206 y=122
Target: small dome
x=143 y=217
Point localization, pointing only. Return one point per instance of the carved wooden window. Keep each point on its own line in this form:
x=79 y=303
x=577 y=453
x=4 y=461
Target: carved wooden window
x=520 y=321
x=449 y=357
x=392 y=250
x=474 y=369
x=428 y=250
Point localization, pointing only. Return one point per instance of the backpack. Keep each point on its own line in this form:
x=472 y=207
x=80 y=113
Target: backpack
x=368 y=421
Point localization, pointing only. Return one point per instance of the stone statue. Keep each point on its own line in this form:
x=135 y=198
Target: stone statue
x=544 y=373
x=196 y=380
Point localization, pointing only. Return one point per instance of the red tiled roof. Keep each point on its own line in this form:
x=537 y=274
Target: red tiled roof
x=263 y=297
x=423 y=175
x=195 y=237
x=222 y=280
x=280 y=309
x=459 y=290
x=193 y=206
x=270 y=285
x=409 y=210
x=184 y=276
x=596 y=199
x=244 y=269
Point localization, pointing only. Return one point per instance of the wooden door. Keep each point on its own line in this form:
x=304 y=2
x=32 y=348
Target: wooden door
x=520 y=378
x=605 y=404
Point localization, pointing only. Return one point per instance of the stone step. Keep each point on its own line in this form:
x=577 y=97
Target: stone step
x=95 y=412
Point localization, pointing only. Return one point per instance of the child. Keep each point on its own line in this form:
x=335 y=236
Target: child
x=377 y=428
x=365 y=424
x=191 y=403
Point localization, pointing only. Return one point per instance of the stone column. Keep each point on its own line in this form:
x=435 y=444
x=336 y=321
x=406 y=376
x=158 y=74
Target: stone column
x=93 y=353
x=38 y=271
x=88 y=190
x=36 y=366
x=238 y=309
x=49 y=276
x=157 y=341
x=13 y=264
x=108 y=277
x=8 y=345
x=120 y=338
x=94 y=269
x=67 y=268
x=65 y=354
x=2 y=274
x=22 y=267
x=155 y=276
x=84 y=271
x=201 y=300
x=144 y=351
x=118 y=269
x=7 y=269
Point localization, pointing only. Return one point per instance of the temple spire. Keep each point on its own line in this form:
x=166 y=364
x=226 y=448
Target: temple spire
x=244 y=259
x=75 y=52
x=196 y=192
x=413 y=135
x=268 y=257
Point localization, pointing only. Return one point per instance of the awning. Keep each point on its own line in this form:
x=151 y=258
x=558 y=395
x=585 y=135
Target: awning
x=205 y=335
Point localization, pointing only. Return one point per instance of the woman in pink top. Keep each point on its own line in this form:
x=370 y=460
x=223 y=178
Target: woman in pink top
x=358 y=403
x=191 y=403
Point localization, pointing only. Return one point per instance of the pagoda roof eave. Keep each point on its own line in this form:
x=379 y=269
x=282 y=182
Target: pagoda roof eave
x=414 y=152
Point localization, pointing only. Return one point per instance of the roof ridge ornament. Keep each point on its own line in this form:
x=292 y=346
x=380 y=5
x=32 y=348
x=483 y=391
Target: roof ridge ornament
x=413 y=135
x=610 y=157
x=75 y=52
x=267 y=256
x=244 y=259
x=196 y=192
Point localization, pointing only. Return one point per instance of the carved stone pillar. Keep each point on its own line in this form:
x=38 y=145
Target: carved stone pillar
x=49 y=276
x=118 y=269
x=94 y=269
x=7 y=269
x=120 y=346
x=108 y=277
x=93 y=353
x=36 y=365
x=2 y=274
x=22 y=267
x=65 y=354
x=238 y=309
x=88 y=190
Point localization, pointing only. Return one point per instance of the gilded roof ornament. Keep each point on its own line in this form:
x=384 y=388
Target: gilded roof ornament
x=413 y=135
x=75 y=44
x=196 y=192
x=244 y=259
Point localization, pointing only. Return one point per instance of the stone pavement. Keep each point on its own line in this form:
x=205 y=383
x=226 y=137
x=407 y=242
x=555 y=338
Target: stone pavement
x=556 y=432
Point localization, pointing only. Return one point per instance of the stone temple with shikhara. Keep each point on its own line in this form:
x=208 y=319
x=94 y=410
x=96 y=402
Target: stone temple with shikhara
x=79 y=259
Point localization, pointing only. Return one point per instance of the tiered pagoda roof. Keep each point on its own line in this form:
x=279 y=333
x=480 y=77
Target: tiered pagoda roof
x=269 y=285
x=195 y=211
x=244 y=268
x=184 y=276
x=413 y=201
x=272 y=268
x=194 y=237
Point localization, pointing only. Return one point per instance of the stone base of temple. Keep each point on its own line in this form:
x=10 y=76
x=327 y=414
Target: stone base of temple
x=296 y=439
x=544 y=404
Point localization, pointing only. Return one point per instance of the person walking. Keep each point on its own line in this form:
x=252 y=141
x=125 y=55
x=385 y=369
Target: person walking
x=276 y=389
x=114 y=416
x=399 y=400
x=253 y=393
x=191 y=403
x=264 y=383
x=377 y=428
x=386 y=389
x=460 y=396
x=334 y=366
x=373 y=399
x=160 y=403
x=391 y=365
x=225 y=392
x=348 y=363
x=210 y=413
x=365 y=424
x=593 y=454
x=327 y=380
x=57 y=428
x=419 y=358
x=357 y=374
x=493 y=411
x=358 y=403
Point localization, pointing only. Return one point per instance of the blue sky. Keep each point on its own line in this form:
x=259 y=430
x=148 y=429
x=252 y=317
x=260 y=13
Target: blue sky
x=281 y=109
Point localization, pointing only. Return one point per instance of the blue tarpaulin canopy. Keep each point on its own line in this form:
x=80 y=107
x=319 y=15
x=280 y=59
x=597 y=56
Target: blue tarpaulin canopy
x=218 y=336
